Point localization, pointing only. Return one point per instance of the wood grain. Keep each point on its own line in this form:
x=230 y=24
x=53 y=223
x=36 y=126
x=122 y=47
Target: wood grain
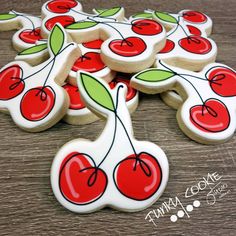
x=27 y=204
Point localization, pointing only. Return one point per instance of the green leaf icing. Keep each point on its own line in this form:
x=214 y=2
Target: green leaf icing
x=7 y=16
x=34 y=49
x=154 y=75
x=166 y=17
x=56 y=40
x=108 y=12
x=97 y=91
x=82 y=25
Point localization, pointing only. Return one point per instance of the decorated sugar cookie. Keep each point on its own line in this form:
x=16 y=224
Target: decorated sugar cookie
x=128 y=46
x=28 y=27
x=79 y=114
x=33 y=95
x=197 y=22
x=185 y=50
x=207 y=114
x=113 y=171
x=69 y=13
x=89 y=61
x=186 y=46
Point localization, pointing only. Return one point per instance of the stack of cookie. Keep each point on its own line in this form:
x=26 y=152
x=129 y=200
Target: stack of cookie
x=68 y=66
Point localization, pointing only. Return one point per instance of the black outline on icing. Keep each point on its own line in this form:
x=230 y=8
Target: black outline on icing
x=91 y=18
x=188 y=35
x=210 y=81
x=106 y=10
x=58 y=16
x=83 y=44
x=188 y=26
x=137 y=159
x=83 y=21
x=98 y=15
x=20 y=79
x=59 y=8
x=173 y=30
x=160 y=52
x=77 y=91
x=22 y=29
x=95 y=167
x=155 y=69
x=38 y=88
x=181 y=76
x=126 y=82
x=32 y=31
x=114 y=28
x=108 y=151
x=26 y=16
x=89 y=58
x=50 y=40
x=210 y=131
x=44 y=84
x=81 y=76
x=49 y=62
x=128 y=45
x=194 y=23
x=194 y=36
x=45 y=44
x=141 y=19
x=203 y=102
x=15 y=15
x=169 y=14
x=116 y=80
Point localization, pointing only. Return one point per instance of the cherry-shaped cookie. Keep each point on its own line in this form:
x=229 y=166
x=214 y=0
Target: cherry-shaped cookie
x=221 y=79
x=33 y=95
x=185 y=49
x=208 y=111
x=198 y=23
x=128 y=46
x=28 y=27
x=187 y=45
x=115 y=170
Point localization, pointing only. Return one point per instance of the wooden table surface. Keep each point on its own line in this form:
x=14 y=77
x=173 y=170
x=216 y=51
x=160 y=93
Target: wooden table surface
x=27 y=204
